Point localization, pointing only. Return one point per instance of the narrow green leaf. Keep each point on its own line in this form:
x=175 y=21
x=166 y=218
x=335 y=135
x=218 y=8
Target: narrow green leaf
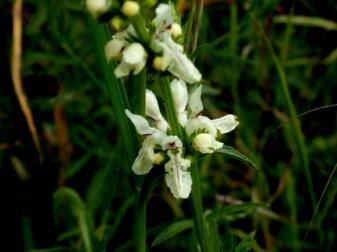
x=307 y=21
x=172 y=231
x=102 y=188
x=68 y=205
x=235 y=154
x=233 y=212
x=246 y=244
x=75 y=167
x=116 y=93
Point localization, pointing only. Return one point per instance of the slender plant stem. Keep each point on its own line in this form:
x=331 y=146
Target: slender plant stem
x=141 y=207
x=116 y=94
x=196 y=199
x=233 y=44
x=295 y=123
x=138 y=23
x=140 y=226
x=198 y=212
x=291 y=183
x=193 y=26
x=140 y=82
x=120 y=102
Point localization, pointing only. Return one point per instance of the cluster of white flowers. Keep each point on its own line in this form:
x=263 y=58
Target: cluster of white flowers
x=201 y=131
x=158 y=145
x=169 y=54
x=177 y=178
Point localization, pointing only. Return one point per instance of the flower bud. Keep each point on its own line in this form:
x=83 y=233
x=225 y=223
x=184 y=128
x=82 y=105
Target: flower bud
x=97 y=7
x=206 y=143
x=157 y=62
x=130 y=8
x=116 y=23
x=176 y=30
x=158 y=158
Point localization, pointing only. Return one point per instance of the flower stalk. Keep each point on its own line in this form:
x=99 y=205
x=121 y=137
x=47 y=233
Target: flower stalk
x=198 y=212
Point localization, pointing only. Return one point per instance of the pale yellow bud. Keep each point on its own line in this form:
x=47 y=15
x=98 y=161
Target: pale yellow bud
x=157 y=62
x=206 y=143
x=158 y=158
x=176 y=30
x=117 y=23
x=130 y=8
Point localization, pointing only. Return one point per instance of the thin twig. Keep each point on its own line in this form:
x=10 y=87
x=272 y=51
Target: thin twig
x=16 y=74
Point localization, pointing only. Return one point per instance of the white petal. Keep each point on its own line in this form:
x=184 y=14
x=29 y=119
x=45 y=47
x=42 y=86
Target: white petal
x=97 y=7
x=133 y=59
x=164 y=17
x=200 y=124
x=123 y=69
x=181 y=66
x=175 y=60
x=206 y=143
x=180 y=99
x=134 y=54
x=177 y=178
x=145 y=159
x=226 y=123
x=171 y=143
x=182 y=118
x=141 y=124
x=179 y=94
x=153 y=111
x=195 y=103
x=113 y=49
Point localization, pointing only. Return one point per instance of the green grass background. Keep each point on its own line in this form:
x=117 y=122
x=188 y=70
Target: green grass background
x=248 y=53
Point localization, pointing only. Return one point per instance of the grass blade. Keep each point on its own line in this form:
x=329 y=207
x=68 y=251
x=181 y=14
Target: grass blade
x=171 y=231
x=227 y=150
x=307 y=21
x=68 y=204
x=235 y=211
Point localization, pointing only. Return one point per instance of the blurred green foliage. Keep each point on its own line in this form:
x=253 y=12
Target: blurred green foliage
x=82 y=147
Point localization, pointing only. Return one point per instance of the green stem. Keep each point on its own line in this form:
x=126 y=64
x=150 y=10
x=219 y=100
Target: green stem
x=141 y=82
x=141 y=207
x=233 y=44
x=139 y=24
x=116 y=94
x=193 y=26
x=170 y=108
x=198 y=212
x=119 y=102
x=295 y=123
x=140 y=226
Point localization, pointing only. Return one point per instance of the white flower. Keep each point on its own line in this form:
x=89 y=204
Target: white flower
x=173 y=60
x=153 y=111
x=177 y=178
x=196 y=122
x=176 y=30
x=206 y=143
x=97 y=7
x=133 y=59
x=203 y=129
x=226 y=123
x=195 y=102
x=180 y=98
x=113 y=49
